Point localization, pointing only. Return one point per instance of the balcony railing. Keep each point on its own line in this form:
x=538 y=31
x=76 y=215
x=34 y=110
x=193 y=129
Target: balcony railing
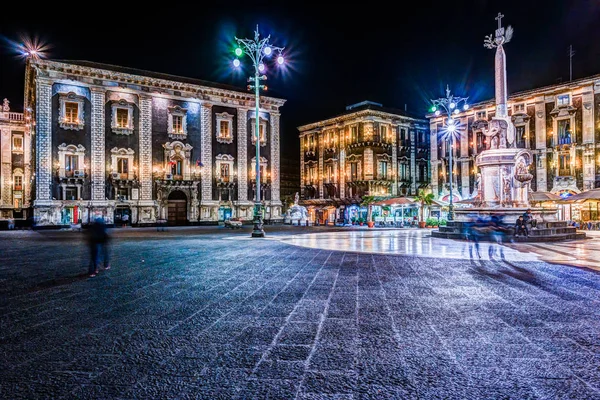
x=564 y=172
x=71 y=173
x=12 y=116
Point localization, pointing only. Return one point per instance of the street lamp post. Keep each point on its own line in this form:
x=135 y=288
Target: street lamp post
x=257 y=49
x=450 y=105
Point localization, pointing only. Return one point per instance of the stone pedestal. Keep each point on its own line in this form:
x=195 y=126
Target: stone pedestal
x=504 y=177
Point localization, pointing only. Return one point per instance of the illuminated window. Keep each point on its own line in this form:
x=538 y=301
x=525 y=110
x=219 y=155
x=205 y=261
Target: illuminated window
x=178 y=124
x=403 y=172
x=383 y=133
x=123 y=165
x=176 y=168
x=383 y=168
x=224 y=131
x=519 y=108
x=122 y=118
x=564 y=131
x=481 y=115
x=17 y=143
x=71 y=112
x=71 y=164
x=262 y=132
x=225 y=172
x=353 y=172
x=563 y=100
x=354 y=134
x=18 y=182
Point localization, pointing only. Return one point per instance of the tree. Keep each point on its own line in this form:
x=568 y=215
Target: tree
x=367 y=201
x=424 y=199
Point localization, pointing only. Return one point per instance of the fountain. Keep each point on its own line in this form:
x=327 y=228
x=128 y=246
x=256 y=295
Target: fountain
x=296 y=213
x=503 y=181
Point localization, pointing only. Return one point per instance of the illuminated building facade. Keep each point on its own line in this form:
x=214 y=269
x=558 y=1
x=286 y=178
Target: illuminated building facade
x=367 y=150
x=15 y=171
x=111 y=141
x=560 y=124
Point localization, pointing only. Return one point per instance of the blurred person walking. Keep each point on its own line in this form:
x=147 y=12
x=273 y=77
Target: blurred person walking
x=98 y=241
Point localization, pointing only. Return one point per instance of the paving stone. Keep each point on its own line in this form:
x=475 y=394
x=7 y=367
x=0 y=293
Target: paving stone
x=204 y=318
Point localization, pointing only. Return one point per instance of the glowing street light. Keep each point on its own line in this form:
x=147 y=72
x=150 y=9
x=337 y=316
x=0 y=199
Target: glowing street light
x=257 y=49
x=450 y=104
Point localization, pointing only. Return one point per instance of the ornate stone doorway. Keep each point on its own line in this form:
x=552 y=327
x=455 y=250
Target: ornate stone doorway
x=177 y=209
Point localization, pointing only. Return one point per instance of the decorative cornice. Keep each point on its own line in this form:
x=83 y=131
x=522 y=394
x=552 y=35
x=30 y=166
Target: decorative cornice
x=192 y=90
x=332 y=122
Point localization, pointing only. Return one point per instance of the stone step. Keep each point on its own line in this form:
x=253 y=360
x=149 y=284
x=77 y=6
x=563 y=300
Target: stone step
x=519 y=239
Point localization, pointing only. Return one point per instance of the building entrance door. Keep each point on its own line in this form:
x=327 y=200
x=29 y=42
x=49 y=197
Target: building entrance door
x=224 y=213
x=177 y=213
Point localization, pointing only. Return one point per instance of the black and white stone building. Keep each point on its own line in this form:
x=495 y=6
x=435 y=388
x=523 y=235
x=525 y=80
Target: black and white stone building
x=15 y=163
x=112 y=141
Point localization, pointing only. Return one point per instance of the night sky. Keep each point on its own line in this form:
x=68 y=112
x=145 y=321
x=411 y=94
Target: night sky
x=337 y=56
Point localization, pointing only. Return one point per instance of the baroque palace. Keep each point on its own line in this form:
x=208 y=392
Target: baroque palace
x=15 y=164
x=560 y=124
x=111 y=141
x=367 y=150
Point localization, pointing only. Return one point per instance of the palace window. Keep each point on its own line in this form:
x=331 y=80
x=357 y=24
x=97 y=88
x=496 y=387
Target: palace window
x=122 y=118
x=564 y=164
x=563 y=100
x=122 y=163
x=383 y=169
x=71 y=161
x=225 y=172
x=71 y=111
x=224 y=127
x=311 y=142
x=520 y=135
x=71 y=164
x=262 y=132
x=564 y=131
x=353 y=172
x=18 y=182
x=422 y=172
x=177 y=122
x=177 y=168
x=354 y=134
x=403 y=172
x=481 y=115
x=403 y=136
x=17 y=144
x=383 y=133
x=71 y=193
x=224 y=167
x=519 y=108
x=329 y=173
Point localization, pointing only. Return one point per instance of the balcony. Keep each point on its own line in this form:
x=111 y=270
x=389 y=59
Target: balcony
x=370 y=143
x=564 y=172
x=226 y=180
x=71 y=176
x=120 y=176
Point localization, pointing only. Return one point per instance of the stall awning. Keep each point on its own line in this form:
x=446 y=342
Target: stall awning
x=539 y=197
x=593 y=194
x=396 y=201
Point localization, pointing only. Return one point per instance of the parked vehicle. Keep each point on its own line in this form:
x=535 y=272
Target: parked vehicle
x=233 y=223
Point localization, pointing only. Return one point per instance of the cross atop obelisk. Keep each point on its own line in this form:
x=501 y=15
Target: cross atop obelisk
x=499 y=19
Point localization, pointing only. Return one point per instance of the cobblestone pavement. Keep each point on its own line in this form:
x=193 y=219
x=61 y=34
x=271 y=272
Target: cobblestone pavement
x=211 y=314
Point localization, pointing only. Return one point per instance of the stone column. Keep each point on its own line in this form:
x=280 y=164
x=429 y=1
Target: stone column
x=242 y=161
x=43 y=142
x=302 y=141
x=97 y=156
x=27 y=159
x=342 y=171
x=413 y=156
x=320 y=150
x=206 y=145
x=540 y=144
x=5 y=172
x=433 y=164
x=394 y=177
x=145 y=144
x=465 y=174
x=275 y=157
x=589 y=160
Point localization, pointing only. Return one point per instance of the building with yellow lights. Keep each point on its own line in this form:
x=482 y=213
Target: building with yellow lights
x=367 y=150
x=15 y=171
x=560 y=124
